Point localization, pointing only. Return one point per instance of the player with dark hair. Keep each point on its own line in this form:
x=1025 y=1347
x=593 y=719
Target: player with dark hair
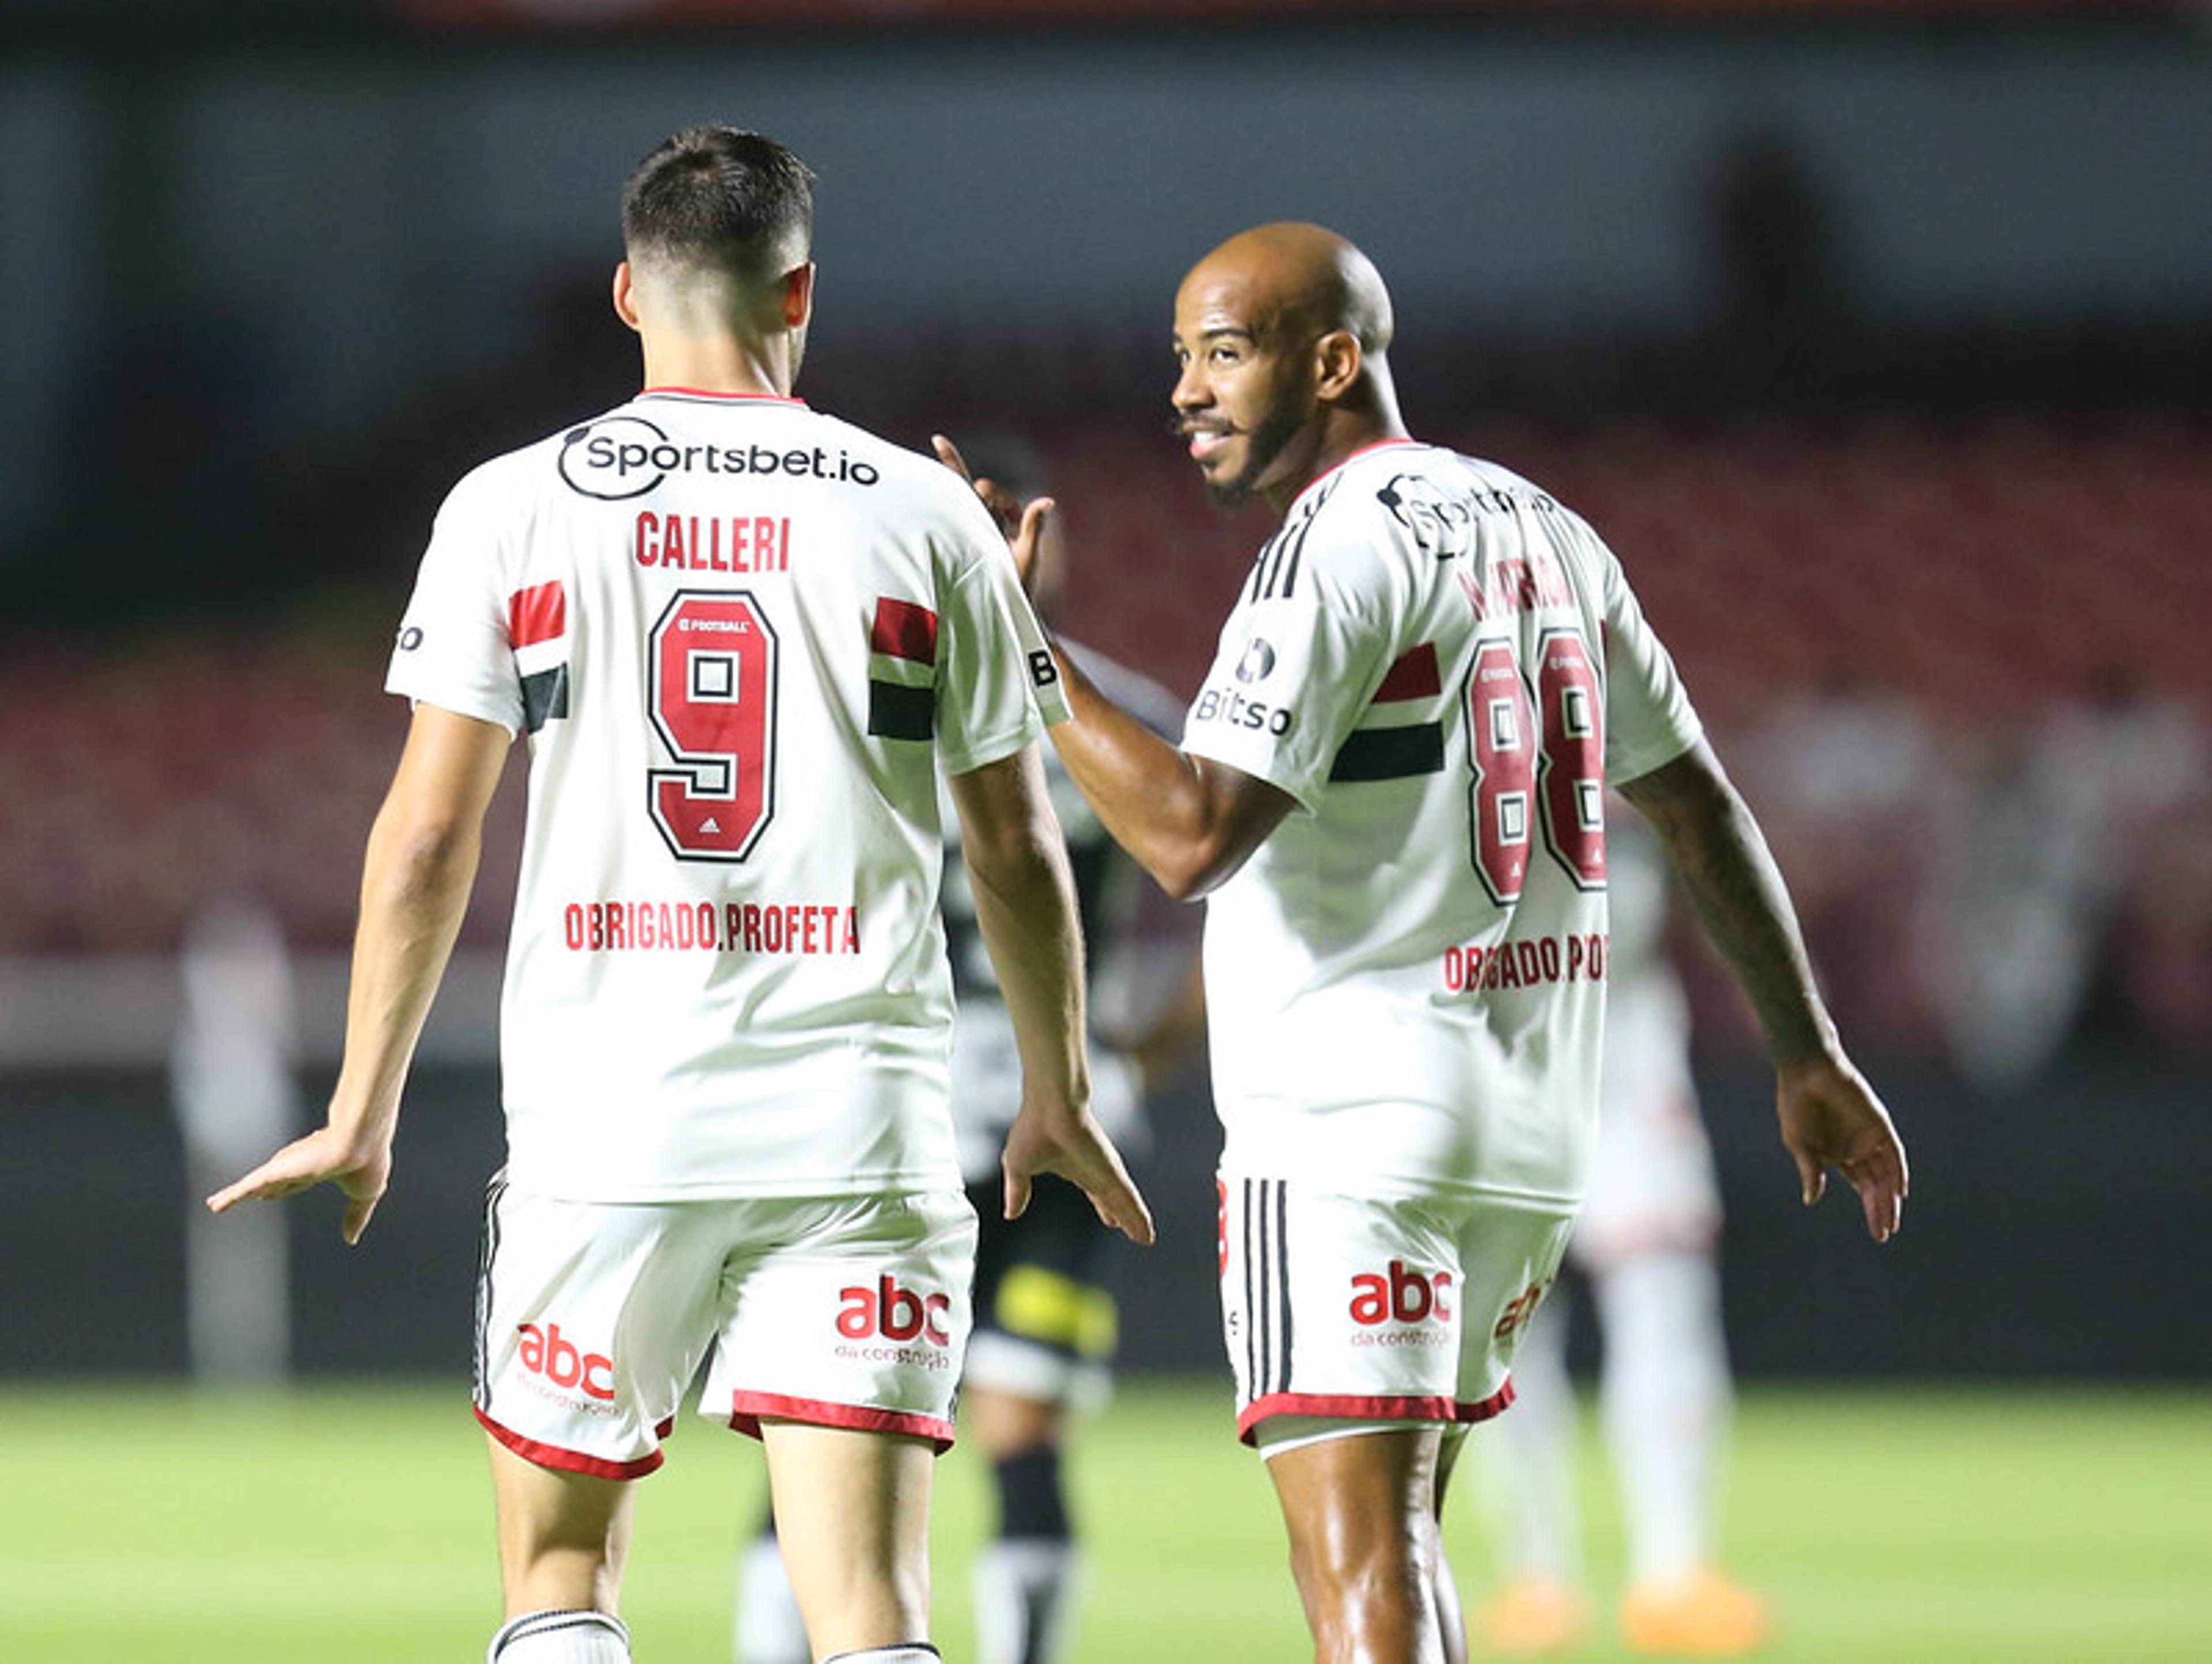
x=743 y=639
x=1391 y=789
x=1047 y=1321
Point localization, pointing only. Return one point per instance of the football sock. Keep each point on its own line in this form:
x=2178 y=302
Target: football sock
x=1025 y=1589
x=770 y=1629
x=1665 y=1404
x=1525 y=1460
x=907 y=1652
x=561 y=1637
x=1026 y=1579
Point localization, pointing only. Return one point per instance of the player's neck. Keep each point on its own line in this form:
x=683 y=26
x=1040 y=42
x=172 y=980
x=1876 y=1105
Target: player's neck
x=721 y=364
x=1344 y=433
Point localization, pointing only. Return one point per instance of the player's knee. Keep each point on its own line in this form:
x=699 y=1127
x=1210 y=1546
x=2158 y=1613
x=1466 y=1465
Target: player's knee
x=1032 y=1497
x=1366 y=1554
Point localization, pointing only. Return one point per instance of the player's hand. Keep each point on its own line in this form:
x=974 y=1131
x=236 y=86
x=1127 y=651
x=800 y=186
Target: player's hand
x=1831 y=1118
x=1071 y=1143
x=323 y=1157
x=1022 y=524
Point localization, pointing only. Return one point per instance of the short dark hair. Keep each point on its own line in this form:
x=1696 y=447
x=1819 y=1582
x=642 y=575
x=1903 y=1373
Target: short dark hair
x=719 y=196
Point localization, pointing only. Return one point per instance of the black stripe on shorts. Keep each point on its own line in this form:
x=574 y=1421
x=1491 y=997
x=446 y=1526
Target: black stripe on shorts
x=487 y=1253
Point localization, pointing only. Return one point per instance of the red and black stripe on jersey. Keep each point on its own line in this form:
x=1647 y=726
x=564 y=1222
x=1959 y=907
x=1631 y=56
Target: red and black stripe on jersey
x=904 y=634
x=535 y=617
x=1389 y=750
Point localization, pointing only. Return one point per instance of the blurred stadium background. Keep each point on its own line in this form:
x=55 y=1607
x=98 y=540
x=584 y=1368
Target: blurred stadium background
x=1876 y=337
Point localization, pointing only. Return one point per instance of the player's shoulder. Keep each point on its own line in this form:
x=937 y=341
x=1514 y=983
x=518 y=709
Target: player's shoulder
x=1354 y=525
x=583 y=457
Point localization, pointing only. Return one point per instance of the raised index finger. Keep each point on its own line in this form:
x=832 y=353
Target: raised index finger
x=948 y=454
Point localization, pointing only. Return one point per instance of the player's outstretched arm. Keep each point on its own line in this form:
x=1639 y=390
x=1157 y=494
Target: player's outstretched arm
x=1025 y=911
x=421 y=864
x=1829 y=1116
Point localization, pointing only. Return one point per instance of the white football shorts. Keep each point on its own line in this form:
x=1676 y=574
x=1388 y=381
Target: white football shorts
x=593 y=1319
x=1368 y=1310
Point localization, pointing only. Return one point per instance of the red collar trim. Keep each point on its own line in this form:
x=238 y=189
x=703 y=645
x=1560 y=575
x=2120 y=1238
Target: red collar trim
x=720 y=398
x=1347 y=462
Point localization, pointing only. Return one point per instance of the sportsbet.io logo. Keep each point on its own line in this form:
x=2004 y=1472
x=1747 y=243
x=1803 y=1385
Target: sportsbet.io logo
x=621 y=456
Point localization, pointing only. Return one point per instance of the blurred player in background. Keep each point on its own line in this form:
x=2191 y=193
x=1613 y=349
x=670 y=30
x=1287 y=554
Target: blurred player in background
x=1391 y=789
x=1046 y=1322
x=744 y=638
x=1645 y=1241
x=231 y=1074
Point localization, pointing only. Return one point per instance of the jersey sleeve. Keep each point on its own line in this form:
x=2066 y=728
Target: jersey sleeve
x=1648 y=718
x=453 y=649
x=999 y=687
x=1299 y=657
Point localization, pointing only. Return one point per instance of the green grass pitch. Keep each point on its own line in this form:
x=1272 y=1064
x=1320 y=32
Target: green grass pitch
x=1907 y=1526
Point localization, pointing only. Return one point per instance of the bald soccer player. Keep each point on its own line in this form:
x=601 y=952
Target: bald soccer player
x=744 y=638
x=1391 y=790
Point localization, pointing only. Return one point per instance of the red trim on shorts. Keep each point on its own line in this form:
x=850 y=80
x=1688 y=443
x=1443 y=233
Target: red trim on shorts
x=571 y=1461
x=746 y=1410
x=737 y=398
x=1351 y=1407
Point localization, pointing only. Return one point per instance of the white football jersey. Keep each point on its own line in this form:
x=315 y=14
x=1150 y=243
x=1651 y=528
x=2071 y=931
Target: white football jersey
x=742 y=637
x=1445 y=666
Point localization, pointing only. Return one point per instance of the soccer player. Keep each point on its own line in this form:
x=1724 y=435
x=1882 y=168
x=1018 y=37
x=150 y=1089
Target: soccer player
x=1391 y=786
x=1046 y=1318
x=743 y=638
x=1644 y=1241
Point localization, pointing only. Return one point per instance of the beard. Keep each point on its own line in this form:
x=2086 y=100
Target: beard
x=1262 y=445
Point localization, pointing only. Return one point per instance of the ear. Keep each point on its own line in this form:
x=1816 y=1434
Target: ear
x=1337 y=363
x=625 y=299
x=798 y=296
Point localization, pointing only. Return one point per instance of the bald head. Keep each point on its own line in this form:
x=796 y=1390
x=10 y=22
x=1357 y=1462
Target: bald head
x=1282 y=333
x=1303 y=276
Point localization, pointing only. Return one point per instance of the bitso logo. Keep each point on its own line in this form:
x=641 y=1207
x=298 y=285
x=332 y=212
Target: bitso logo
x=548 y=1353
x=621 y=456
x=1402 y=1295
x=1229 y=706
x=1258 y=662
x=894 y=1313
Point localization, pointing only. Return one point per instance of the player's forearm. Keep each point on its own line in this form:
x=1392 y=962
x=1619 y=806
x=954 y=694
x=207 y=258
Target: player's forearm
x=415 y=890
x=1720 y=857
x=1025 y=912
x=1157 y=802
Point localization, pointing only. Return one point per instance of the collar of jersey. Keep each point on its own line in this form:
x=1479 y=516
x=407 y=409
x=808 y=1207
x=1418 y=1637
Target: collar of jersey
x=713 y=397
x=1363 y=451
